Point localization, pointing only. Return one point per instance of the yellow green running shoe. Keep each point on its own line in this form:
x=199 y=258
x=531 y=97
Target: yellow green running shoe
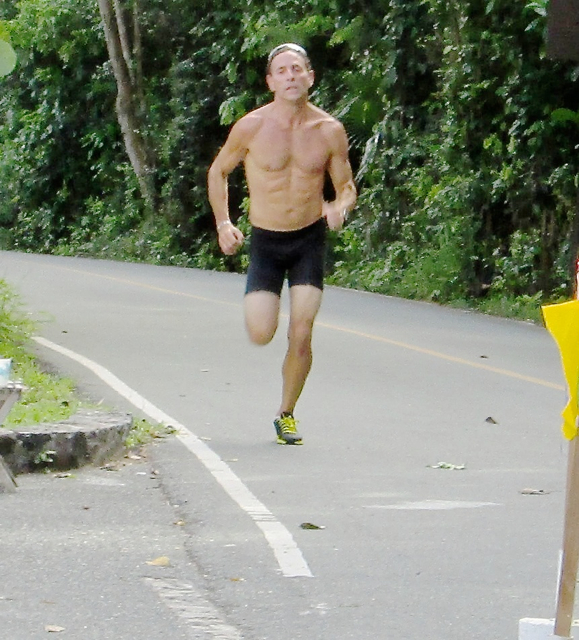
x=285 y=427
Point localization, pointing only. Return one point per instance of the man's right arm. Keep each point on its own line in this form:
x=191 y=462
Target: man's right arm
x=231 y=154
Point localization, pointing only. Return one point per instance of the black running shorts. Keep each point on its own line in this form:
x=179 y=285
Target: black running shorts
x=298 y=254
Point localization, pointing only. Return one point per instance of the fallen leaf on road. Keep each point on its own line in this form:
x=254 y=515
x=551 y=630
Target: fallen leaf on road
x=534 y=492
x=52 y=628
x=447 y=465
x=111 y=466
x=162 y=561
x=309 y=525
x=491 y=420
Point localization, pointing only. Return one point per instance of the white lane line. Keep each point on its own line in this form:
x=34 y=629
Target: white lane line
x=284 y=547
x=192 y=609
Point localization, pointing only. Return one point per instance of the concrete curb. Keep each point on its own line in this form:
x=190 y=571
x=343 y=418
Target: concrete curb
x=88 y=437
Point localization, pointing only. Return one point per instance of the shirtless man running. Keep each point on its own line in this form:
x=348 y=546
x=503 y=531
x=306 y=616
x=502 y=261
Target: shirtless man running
x=286 y=146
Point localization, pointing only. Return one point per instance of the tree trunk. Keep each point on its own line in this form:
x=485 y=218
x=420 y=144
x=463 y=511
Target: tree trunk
x=574 y=248
x=138 y=58
x=129 y=97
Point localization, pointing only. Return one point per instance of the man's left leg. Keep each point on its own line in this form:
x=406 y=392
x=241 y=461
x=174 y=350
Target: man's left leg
x=305 y=303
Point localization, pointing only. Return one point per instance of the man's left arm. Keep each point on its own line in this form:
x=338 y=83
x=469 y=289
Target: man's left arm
x=340 y=172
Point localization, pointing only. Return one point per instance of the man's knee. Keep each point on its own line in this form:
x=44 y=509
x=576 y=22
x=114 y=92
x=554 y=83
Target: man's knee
x=261 y=316
x=260 y=335
x=300 y=335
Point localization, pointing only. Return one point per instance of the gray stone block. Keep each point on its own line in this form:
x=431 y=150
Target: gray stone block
x=7 y=481
x=88 y=437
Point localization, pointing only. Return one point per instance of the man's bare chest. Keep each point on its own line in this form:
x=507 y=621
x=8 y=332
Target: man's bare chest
x=276 y=150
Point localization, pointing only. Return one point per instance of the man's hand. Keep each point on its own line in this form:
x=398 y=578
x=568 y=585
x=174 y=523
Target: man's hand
x=230 y=239
x=334 y=215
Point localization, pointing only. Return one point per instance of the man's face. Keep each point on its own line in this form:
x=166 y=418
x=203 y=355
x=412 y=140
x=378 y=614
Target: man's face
x=289 y=76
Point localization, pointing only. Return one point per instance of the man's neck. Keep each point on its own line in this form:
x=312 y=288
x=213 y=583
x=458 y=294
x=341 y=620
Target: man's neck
x=291 y=113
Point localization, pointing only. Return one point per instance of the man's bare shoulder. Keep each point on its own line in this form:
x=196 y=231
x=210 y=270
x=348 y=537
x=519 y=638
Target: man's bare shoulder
x=325 y=121
x=252 y=120
x=248 y=125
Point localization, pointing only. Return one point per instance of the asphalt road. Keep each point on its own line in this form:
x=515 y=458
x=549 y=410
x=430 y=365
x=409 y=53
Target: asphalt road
x=406 y=550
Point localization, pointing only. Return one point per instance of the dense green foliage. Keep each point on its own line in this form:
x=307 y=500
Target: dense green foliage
x=463 y=136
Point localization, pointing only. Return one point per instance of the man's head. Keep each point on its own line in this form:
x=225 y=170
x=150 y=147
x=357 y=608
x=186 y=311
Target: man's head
x=288 y=46
x=289 y=73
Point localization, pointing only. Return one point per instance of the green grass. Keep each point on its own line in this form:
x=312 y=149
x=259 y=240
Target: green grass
x=524 y=307
x=48 y=397
x=144 y=432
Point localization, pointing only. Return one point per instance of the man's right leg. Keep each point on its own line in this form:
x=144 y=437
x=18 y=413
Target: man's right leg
x=261 y=315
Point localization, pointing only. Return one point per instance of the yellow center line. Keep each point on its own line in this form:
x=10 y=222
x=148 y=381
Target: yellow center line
x=150 y=286
x=359 y=334
x=444 y=356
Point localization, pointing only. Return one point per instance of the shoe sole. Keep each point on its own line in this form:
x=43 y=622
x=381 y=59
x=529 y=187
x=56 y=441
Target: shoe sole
x=280 y=440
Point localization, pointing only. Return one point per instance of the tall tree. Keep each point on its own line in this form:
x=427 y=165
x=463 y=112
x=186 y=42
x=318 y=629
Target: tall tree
x=125 y=53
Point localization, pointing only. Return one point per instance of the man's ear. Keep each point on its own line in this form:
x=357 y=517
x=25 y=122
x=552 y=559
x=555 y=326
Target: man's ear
x=311 y=74
x=268 y=80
